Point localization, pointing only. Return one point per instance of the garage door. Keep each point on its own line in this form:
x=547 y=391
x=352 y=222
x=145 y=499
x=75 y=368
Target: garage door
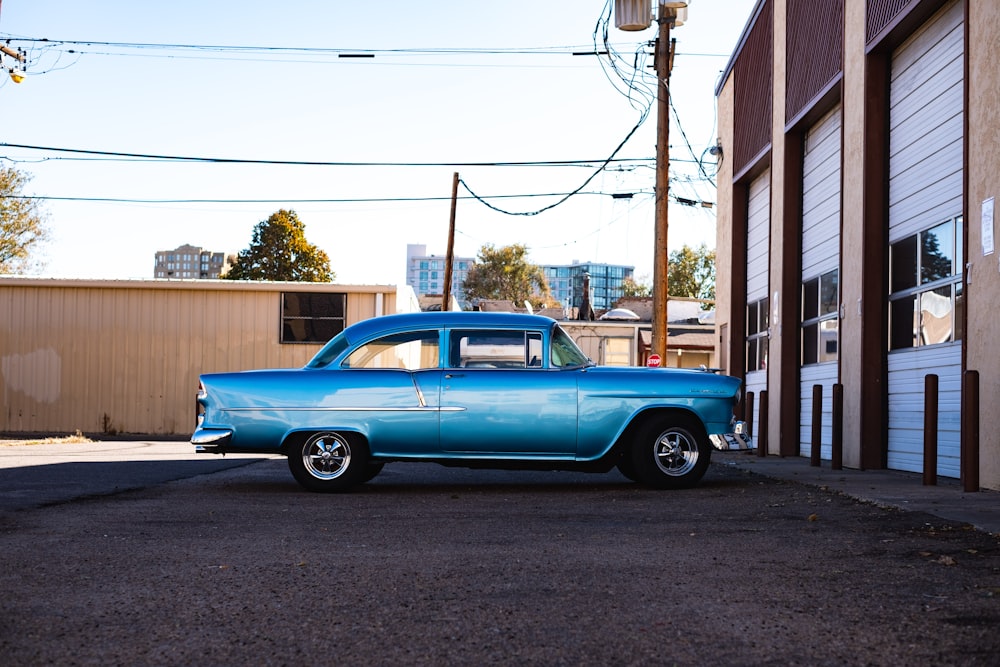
x=820 y=279
x=758 y=310
x=925 y=206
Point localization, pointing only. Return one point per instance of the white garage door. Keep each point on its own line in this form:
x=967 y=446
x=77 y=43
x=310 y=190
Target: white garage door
x=758 y=257
x=820 y=276
x=925 y=190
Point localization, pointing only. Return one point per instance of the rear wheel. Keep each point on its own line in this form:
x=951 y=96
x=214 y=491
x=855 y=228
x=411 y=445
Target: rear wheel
x=328 y=461
x=670 y=454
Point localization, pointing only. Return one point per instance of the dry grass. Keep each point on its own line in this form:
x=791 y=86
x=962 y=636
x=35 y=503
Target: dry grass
x=75 y=439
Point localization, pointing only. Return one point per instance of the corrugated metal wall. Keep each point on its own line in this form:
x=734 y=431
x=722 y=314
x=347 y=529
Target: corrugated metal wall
x=881 y=13
x=752 y=92
x=125 y=356
x=815 y=43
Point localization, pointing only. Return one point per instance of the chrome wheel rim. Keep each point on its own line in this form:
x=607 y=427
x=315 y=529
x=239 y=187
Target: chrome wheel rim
x=676 y=453
x=326 y=455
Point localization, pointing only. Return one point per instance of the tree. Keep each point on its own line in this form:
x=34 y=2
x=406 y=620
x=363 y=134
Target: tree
x=632 y=289
x=505 y=273
x=22 y=223
x=691 y=273
x=279 y=251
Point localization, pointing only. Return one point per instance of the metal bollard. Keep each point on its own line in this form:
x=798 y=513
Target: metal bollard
x=930 y=429
x=837 y=435
x=970 y=431
x=817 y=426
x=762 y=442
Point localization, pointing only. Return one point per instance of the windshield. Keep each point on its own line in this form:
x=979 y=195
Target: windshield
x=565 y=353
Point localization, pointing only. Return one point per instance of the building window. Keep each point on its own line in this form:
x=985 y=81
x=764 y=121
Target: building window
x=925 y=287
x=820 y=309
x=311 y=317
x=757 y=335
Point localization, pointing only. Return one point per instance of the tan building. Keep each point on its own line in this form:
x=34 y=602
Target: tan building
x=189 y=261
x=855 y=243
x=124 y=356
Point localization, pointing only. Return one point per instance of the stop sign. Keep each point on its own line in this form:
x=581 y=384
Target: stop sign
x=653 y=361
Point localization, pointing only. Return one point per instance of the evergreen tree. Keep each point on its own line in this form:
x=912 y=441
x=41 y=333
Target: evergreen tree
x=279 y=251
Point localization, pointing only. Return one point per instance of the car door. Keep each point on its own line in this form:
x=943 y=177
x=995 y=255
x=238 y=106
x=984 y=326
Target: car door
x=500 y=399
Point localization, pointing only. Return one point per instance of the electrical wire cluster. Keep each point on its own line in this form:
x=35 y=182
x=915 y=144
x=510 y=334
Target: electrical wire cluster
x=629 y=74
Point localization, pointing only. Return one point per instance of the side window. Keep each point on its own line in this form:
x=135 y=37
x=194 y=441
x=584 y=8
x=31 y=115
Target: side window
x=495 y=349
x=410 y=351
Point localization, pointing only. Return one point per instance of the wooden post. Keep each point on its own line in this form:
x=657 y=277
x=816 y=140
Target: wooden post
x=450 y=255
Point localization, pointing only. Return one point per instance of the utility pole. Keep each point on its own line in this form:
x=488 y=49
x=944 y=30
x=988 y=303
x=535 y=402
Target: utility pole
x=662 y=62
x=449 y=258
x=635 y=15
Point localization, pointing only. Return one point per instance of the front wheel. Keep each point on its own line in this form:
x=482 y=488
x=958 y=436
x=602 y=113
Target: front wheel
x=328 y=461
x=670 y=454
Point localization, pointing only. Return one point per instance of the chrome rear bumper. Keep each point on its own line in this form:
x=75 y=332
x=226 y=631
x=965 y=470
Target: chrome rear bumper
x=211 y=440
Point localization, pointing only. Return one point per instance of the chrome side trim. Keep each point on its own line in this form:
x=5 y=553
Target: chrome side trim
x=345 y=409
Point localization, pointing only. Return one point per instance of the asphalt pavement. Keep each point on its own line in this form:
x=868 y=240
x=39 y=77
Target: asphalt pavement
x=134 y=463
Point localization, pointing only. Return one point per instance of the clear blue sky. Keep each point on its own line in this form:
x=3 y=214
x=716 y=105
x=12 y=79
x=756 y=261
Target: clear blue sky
x=399 y=107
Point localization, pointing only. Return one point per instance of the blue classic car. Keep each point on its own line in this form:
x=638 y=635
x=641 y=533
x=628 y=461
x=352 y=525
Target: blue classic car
x=491 y=390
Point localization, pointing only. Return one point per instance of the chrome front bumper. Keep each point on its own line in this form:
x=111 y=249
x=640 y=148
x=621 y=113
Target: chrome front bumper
x=738 y=439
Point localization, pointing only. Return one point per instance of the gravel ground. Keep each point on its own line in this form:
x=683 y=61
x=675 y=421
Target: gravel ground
x=429 y=566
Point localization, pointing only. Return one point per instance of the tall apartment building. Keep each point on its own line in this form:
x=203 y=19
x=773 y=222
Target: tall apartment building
x=425 y=273
x=189 y=261
x=566 y=283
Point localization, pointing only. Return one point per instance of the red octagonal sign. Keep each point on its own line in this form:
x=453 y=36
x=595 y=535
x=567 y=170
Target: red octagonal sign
x=653 y=361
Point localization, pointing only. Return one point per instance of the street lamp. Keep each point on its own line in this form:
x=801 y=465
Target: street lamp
x=637 y=15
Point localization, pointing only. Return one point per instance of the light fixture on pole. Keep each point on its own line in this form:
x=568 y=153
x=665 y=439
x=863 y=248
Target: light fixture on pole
x=16 y=72
x=637 y=15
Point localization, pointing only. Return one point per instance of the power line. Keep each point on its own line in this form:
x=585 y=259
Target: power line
x=317 y=163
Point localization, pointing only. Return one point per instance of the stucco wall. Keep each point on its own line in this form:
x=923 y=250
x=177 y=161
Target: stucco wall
x=984 y=270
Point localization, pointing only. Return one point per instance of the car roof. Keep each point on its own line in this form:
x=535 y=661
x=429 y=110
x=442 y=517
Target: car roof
x=445 y=319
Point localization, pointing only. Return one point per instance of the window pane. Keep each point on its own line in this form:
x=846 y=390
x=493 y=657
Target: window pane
x=828 y=342
x=764 y=306
x=829 y=293
x=937 y=252
x=752 y=354
x=903 y=264
x=308 y=317
x=810 y=299
x=935 y=316
x=752 y=323
x=809 y=345
x=903 y=323
x=487 y=349
x=959 y=312
x=409 y=351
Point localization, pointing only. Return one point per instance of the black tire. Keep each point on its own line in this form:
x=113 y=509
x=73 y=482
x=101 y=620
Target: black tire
x=373 y=470
x=328 y=462
x=626 y=467
x=671 y=453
